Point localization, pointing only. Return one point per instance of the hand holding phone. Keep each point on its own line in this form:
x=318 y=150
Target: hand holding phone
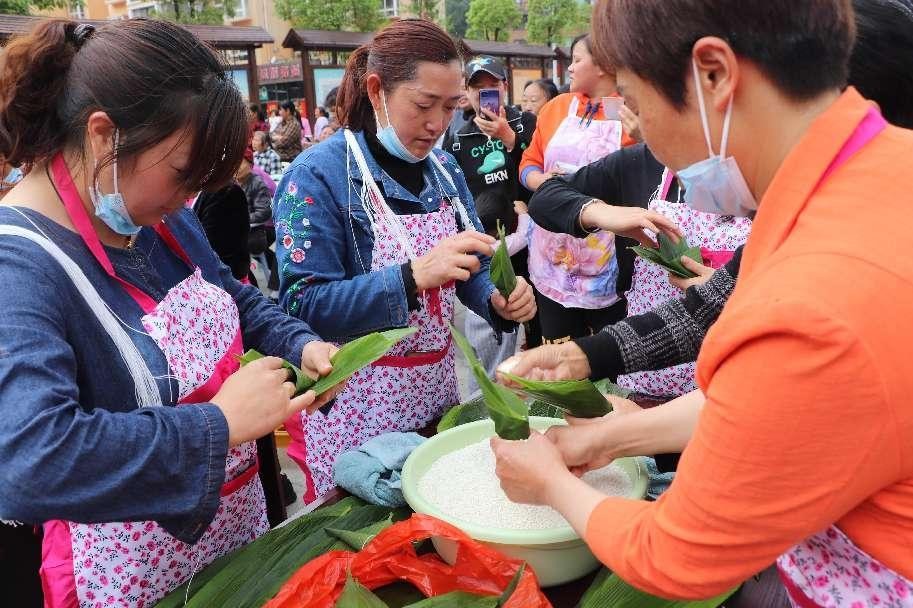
x=490 y=101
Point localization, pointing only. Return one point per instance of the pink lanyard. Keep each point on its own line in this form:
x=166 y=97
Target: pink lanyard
x=72 y=202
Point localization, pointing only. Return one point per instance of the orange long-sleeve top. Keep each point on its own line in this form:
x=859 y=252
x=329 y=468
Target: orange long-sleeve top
x=547 y=122
x=808 y=376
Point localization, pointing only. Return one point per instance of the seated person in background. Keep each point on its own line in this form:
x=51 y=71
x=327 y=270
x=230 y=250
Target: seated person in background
x=259 y=205
x=264 y=155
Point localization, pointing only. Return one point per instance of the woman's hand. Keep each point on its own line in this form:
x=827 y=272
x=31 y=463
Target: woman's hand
x=550 y=362
x=257 y=398
x=451 y=259
x=315 y=362
x=496 y=127
x=703 y=274
x=520 y=306
x=631 y=123
x=629 y=221
x=527 y=468
x=583 y=445
x=536 y=178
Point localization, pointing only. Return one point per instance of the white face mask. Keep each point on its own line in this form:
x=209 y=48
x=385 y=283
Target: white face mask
x=716 y=185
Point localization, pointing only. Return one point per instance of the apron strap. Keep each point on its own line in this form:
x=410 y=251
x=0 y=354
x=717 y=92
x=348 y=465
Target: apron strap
x=145 y=388
x=72 y=202
x=668 y=176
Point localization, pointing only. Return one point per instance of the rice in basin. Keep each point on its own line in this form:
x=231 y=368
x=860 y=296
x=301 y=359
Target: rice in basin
x=463 y=485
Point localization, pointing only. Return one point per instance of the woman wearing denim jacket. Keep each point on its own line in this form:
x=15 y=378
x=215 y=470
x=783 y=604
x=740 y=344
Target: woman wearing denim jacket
x=128 y=430
x=377 y=230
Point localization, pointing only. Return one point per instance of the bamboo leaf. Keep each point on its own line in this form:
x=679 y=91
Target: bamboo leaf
x=509 y=412
x=457 y=599
x=354 y=355
x=357 y=539
x=512 y=585
x=607 y=387
x=351 y=357
x=610 y=591
x=501 y=270
x=356 y=595
x=669 y=255
x=579 y=398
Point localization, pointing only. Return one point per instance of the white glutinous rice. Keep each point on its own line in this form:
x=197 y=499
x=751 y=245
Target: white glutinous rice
x=463 y=485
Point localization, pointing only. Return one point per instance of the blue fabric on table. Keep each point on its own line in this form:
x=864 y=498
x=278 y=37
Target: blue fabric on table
x=372 y=472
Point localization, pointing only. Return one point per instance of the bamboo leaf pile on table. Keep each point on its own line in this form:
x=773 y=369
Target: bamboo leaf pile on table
x=669 y=255
x=610 y=591
x=254 y=573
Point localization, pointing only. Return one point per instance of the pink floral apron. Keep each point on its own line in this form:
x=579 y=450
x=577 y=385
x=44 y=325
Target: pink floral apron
x=416 y=381
x=828 y=570
x=578 y=273
x=137 y=563
x=650 y=287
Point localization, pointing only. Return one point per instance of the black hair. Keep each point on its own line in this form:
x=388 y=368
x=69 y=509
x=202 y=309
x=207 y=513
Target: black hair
x=152 y=78
x=881 y=65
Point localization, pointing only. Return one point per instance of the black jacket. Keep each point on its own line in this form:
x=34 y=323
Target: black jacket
x=487 y=164
x=226 y=222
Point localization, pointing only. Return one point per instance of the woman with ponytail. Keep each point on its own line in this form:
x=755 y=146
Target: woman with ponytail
x=378 y=230
x=127 y=430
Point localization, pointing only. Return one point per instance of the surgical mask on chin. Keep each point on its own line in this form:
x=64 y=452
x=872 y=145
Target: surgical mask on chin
x=716 y=185
x=111 y=208
x=390 y=140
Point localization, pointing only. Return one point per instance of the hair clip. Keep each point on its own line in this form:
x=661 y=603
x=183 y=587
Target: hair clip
x=81 y=33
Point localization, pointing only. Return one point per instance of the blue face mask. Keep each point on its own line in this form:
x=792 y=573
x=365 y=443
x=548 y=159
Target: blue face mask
x=390 y=140
x=110 y=208
x=12 y=178
x=716 y=185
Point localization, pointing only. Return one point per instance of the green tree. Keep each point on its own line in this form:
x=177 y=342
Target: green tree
x=207 y=12
x=426 y=9
x=492 y=19
x=357 y=15
x=456 y=17
x=550 y=20
x=24 y=7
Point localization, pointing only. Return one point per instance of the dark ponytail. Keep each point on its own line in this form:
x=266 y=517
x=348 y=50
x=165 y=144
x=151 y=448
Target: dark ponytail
x=33 y=74
x=394 y=55
x=152 y=78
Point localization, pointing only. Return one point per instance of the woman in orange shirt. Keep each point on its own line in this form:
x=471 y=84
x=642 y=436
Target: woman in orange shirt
x=797 y=372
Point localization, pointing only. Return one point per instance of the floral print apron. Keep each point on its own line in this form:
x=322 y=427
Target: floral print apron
x=578 y=273
x=137 y=563
x=718 y=237
x=416 y=381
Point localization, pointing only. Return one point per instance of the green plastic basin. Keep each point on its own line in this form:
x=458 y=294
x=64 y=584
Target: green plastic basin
x=557 y=555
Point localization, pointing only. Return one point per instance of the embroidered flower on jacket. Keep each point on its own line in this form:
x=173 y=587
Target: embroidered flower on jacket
x=305 y=222
x=288 y=241
x=292 y=188
x=307 y=244
x=297 y=255
x=309 y=200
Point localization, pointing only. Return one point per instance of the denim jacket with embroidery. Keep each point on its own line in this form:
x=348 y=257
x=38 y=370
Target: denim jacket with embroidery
x=324 y=242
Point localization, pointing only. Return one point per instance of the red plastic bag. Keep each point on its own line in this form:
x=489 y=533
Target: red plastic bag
x=391 y=557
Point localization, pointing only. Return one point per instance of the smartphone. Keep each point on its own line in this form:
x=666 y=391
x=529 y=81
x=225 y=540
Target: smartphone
x=490 y=100
x=611 y=106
